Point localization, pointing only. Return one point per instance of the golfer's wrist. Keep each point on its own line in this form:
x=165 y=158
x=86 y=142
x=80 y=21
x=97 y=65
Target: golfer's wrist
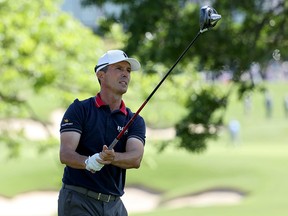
x=85 y=163
x=115 y=158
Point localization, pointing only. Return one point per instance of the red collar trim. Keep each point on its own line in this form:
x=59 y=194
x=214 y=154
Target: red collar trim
x=99 y=102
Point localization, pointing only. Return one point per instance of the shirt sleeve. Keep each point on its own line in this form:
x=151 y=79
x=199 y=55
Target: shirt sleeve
x=73 y=118
x=138 y=129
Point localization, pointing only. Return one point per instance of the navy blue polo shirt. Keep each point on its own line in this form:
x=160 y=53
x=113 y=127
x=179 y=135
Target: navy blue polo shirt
x=99 y=126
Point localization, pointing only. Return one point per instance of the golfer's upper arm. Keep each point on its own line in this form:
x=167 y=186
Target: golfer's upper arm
x=136 y=148
x=68 y=144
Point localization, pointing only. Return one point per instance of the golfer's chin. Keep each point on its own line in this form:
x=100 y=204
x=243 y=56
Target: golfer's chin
x=123 y=90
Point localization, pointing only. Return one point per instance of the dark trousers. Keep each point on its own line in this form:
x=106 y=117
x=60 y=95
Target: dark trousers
x=72 y=203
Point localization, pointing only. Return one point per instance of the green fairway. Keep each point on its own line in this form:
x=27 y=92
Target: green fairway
x=258 y=172
x=31 y=171
x=255 y=165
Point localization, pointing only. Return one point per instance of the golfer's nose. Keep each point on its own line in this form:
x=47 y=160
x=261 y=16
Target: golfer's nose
x=126 y=72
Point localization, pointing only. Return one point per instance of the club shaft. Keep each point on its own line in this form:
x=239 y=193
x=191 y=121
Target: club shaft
x=115 y=141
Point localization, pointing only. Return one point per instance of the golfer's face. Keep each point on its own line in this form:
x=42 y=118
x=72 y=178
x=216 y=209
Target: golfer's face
x=117 y=77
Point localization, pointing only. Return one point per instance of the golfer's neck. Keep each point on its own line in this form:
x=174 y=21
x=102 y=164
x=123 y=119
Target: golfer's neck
x=113 y=100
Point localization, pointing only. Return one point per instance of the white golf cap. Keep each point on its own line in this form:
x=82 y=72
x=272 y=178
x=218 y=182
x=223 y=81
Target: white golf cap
x=114 y=56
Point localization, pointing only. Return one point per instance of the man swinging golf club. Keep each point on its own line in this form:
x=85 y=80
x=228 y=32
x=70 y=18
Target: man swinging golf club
x=88 y=126
x=94 y=176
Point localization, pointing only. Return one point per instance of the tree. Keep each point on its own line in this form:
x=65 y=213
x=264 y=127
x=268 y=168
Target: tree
x=158 y=31
x=44 y=53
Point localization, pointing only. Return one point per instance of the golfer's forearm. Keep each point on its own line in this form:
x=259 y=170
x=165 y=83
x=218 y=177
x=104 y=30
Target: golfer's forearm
x=127 y=160
x=73 y=159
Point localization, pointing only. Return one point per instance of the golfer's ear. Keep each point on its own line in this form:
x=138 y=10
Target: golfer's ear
x=100 y=74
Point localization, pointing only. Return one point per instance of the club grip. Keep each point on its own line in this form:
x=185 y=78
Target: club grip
x=115 y=141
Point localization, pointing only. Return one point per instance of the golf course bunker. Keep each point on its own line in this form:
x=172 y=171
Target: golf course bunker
x=207 y=198
x=140 y=199
x=136 y=199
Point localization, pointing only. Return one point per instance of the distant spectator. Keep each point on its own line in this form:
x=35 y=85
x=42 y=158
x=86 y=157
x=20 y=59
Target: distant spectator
x=234 y=131
x=247 y=104
x=286 y=106
x=268 y=104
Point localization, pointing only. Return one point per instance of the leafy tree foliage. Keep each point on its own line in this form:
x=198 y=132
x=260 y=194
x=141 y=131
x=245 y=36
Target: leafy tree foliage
x=158 y=32
x=203 y=121
x=43 y=52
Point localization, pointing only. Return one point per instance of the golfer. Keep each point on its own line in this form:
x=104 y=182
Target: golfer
x=94 y=176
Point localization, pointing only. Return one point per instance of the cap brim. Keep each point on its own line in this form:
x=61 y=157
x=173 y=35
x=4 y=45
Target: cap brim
x=135 y=65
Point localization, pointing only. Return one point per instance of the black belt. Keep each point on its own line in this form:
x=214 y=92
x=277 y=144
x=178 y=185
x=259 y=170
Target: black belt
x=92 y=194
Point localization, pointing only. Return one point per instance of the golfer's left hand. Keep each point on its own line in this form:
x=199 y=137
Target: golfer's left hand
x=107 y=155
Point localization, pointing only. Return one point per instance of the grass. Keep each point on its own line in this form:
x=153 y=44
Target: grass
x=258 y=171
x=31 y=171
x=257 y=166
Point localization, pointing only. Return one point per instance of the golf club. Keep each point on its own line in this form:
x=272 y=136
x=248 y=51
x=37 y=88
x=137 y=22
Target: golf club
x=208 y=19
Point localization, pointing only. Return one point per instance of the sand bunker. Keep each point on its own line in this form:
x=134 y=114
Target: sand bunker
x=44 y=203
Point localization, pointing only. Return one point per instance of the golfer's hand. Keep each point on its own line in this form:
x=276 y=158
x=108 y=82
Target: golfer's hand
x=92 y=163
x=107 y=156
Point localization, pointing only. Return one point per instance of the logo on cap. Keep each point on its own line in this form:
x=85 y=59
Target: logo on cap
x=125 y=55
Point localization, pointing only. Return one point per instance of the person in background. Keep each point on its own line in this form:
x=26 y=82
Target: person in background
x=94 y=176
x=234 y=131
x=285 y=103
x=268 y=104
x=247 y=104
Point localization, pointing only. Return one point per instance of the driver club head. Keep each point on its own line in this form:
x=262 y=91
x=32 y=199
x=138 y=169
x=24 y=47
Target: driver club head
x=208 y=18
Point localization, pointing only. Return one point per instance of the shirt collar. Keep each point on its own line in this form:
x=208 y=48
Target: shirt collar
x=99 y=102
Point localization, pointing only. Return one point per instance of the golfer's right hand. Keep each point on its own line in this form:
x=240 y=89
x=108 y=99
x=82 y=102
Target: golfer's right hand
x=92 y=164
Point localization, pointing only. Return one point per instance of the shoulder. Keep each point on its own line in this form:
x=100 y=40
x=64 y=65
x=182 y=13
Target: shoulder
x=130 y=114
x=138 y=121
x=80 y=107
x=86 y=102
x=83 y=103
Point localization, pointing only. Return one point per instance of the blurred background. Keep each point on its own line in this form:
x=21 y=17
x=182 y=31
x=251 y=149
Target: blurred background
x=216 y=129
